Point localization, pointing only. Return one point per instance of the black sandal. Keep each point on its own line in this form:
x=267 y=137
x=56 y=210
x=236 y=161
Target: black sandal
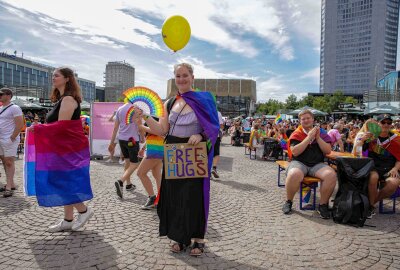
x=199 y=246
x=182 y=247
x=7 y=193
x=4 y=189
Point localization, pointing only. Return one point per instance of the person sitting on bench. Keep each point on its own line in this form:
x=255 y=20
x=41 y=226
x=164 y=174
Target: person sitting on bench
x=307 y=147
x=385 y=151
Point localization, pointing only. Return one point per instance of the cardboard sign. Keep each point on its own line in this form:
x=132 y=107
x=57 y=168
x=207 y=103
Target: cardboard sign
x=182 y=160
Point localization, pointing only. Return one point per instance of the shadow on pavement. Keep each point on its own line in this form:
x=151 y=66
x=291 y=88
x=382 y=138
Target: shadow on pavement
x=13 y=205
x=213 y=261
x=241 y=186
x=225 y=164
x=213 y=234
x=76 y=250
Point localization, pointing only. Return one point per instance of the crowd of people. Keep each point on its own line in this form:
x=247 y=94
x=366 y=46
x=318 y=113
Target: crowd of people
x=190 y=117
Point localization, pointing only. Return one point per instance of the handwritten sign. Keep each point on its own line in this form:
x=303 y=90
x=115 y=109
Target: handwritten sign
x=182 y=160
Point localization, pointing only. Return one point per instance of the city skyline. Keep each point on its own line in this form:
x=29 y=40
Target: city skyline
x=274 y=43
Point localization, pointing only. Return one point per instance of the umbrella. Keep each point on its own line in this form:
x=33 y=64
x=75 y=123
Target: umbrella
x=383 y=109
x=314 y=111
x=85 y=105
x=26 y=105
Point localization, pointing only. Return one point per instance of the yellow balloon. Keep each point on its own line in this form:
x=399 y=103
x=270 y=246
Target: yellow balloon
x=176 y=32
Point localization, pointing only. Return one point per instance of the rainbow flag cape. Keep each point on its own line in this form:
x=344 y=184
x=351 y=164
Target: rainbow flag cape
x=278 y=119
x=300 y=135
x=56 y=164
x=392 y=146
x=205 y=109
x=154 y=147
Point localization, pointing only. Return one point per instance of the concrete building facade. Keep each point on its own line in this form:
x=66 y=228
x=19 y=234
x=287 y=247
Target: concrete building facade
x=358 y=43
x=119 y=76
x=234 y=96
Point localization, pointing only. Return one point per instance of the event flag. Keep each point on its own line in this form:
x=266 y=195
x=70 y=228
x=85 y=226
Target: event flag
x=56 y=164
x=278 y=119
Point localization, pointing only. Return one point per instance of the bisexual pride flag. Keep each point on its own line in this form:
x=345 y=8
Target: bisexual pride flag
x=56 y=164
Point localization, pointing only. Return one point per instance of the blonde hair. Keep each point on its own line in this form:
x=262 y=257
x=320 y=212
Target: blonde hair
x=306 y=111
x=186 y=65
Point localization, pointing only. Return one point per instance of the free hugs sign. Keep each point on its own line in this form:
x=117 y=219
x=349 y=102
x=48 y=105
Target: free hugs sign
x=182 y=160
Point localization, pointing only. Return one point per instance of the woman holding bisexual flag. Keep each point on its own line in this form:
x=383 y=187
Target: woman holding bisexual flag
x=57 y=156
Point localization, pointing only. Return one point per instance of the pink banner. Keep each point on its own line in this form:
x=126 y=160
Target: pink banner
x=102 y=126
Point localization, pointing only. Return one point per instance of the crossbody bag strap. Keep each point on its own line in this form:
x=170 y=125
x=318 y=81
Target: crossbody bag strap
x=173 y=127
x=6 y=108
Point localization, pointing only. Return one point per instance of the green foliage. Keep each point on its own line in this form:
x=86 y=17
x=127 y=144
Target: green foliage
x=291 y=102
x=272 y=106
x=326 y=103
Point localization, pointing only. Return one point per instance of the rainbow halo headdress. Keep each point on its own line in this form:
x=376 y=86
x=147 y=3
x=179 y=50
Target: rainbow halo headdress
x=145 y=99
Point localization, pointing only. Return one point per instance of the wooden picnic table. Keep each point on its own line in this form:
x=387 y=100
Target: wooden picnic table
x=334 y=154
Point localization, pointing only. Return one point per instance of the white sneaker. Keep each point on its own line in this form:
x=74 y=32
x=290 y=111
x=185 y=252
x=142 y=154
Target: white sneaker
x=82 y=219
x=60 y=226
x=121 y=162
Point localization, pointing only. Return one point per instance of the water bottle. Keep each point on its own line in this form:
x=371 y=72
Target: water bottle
x=359 y=151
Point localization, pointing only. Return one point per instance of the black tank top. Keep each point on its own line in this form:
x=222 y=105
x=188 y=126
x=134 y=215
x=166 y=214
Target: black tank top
x=52 y=116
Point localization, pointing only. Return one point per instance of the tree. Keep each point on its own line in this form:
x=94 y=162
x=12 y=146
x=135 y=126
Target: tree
x=321 y=103
x=306 y=101
x=272 y=106
x=291 y=102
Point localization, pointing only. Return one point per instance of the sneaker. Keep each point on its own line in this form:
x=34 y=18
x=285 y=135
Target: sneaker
x=119 y=186
x=109 y=160
x=287 y=207
x=82 y=219
x=130 y=187
x=323 y=211
x=150 y=203
x=121 y=161
x=371 y=212
x=61 y=226
x=214 y=173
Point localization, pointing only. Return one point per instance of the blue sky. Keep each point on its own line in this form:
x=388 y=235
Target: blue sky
x=273 y=42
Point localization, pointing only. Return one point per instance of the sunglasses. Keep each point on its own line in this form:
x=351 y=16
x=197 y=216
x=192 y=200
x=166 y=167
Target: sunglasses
x=386 y=122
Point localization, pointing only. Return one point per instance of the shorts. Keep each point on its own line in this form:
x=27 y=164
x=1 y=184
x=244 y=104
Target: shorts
x=128 y=151
x=310 y=171
x=9 y=148
x=217 y=146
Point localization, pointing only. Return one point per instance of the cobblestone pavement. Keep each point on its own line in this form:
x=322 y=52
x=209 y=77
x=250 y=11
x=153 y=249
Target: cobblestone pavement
x=247 y=229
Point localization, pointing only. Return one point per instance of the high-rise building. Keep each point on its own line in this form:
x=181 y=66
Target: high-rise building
x=100 y=95
x=119 y=76
x=358 y=43
x=234 y=97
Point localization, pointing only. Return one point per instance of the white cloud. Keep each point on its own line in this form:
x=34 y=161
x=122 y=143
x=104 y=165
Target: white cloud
x=276 y=88
x=312 y=74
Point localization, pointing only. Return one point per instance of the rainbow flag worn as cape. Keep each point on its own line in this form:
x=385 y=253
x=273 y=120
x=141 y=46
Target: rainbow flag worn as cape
x=278 y=119
x=154 y=147
x=300 y=135
x=56 y=164
x=392 y=146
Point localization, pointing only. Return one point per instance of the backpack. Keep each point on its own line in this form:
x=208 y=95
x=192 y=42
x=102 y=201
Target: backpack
x=351 y=203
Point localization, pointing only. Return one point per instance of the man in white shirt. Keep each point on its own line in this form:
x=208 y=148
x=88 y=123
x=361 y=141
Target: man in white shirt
x=11 y=123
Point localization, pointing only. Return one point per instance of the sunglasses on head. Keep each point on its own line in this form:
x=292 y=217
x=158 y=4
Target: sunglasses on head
x=386 y=122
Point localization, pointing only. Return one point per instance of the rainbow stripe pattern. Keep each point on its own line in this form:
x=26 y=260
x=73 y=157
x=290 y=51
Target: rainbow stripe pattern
x=129 y=115
x=278 y=119
x=154 y=147
x=56 y=164
x=146 y=99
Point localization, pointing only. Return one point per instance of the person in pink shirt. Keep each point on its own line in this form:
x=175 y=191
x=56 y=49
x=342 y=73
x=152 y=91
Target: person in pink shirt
x=336 y=137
